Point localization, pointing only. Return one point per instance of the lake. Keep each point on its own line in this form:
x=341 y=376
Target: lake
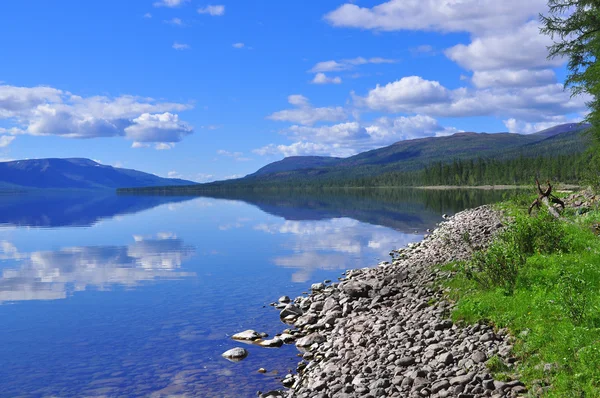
x=106 y=295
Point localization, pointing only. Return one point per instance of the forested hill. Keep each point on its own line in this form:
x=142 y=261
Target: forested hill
x=459 y=159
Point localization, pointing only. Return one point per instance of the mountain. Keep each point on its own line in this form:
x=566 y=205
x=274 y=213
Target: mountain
x=75 y=173
x=410 y=157
x=296 y=163
x=417 y=154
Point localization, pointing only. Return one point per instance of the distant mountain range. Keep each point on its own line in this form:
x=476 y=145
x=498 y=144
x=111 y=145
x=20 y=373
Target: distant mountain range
x=416 y=154
x=75 y=173
x=403 y=156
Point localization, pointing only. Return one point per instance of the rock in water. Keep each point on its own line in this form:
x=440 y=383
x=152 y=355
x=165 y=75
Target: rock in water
x=247 y=335
x=284 y=299
x=290 y=309
x=235 y=354
x=317 y=286
x=275 y=342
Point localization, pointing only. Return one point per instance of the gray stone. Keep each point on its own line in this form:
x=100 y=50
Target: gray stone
x=235 y=354
x=247 y=335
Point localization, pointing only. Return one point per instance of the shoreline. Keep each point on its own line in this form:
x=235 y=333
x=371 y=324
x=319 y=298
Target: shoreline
x=386 y=332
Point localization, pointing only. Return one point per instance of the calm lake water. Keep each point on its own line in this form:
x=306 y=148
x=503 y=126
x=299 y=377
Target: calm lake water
x=105 y=295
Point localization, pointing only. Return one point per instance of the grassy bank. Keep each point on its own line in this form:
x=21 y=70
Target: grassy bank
x=541 y=280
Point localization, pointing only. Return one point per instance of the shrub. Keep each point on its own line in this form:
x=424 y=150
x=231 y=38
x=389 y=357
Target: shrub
x=498 y=266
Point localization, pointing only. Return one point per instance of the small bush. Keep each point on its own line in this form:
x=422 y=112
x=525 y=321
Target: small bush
x=498 y=266
x=540 y=234
x=575 y=292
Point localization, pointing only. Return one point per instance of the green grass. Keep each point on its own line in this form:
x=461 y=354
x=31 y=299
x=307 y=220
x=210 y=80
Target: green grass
x=550 y=289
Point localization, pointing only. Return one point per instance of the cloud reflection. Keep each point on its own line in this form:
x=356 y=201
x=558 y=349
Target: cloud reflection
x=51 y=275
x=339 y=243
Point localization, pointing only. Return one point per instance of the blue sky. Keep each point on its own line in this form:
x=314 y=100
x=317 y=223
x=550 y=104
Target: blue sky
x=206 y=91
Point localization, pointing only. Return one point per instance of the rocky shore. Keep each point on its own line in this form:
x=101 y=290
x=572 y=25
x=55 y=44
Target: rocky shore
x=386 y=332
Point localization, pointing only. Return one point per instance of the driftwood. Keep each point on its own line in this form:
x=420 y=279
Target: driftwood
x=546 y=197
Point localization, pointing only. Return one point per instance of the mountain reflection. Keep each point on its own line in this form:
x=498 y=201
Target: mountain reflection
x=340 y=243
x=51 y=275
x=73 y=208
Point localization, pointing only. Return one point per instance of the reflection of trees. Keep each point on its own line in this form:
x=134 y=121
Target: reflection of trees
x=333 y=244
x=402 y=209
x=53 y=274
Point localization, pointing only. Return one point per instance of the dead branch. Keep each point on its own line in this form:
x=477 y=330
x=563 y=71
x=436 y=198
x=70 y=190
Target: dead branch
x=545 y=197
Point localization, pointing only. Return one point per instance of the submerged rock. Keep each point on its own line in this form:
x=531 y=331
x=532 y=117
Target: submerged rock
x=247 y=335
x=235 y=354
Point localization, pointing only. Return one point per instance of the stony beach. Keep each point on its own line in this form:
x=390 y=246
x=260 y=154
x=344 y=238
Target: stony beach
x=385 y=331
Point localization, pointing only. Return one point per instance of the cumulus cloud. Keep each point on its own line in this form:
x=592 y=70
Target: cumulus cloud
x=513 y=78
x=181 y=46
x=416 y=95
x=306 y=114
x=170 y=3
x=521 y=49
x=163 y=128
x=473 y=16
x=238 y=45
x=322 y=78
x=406 y=93
x=48 y=111
x=346 y=139
x=212 y=10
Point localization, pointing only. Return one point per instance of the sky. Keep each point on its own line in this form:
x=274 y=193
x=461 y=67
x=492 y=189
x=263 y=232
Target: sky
x=210 y=91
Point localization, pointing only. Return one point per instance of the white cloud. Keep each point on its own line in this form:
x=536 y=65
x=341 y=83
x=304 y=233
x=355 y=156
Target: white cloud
x=47 y=111
x=513 y=78
x=405 y=94
x=181 y=46
x=295 y=149
x=212 y=10
x=415 y=95
x=346 y=64
x=473 y=16
x=523 y=48
x=322 y=78
x=5 y=140
x=521 y=127
x=346 y=139
x=306 y=114
x=238 y=45
x=170 y=3
x=162 y=128
x=14 y=100
x=147 y=15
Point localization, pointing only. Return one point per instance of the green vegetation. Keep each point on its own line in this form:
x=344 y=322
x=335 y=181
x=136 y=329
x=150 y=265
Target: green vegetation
x=540 y=278
x=575 y=27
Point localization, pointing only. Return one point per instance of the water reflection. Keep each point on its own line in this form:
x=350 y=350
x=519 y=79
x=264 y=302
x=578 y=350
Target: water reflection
x=73 y=209
x=51 y=275
x=335 y=244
